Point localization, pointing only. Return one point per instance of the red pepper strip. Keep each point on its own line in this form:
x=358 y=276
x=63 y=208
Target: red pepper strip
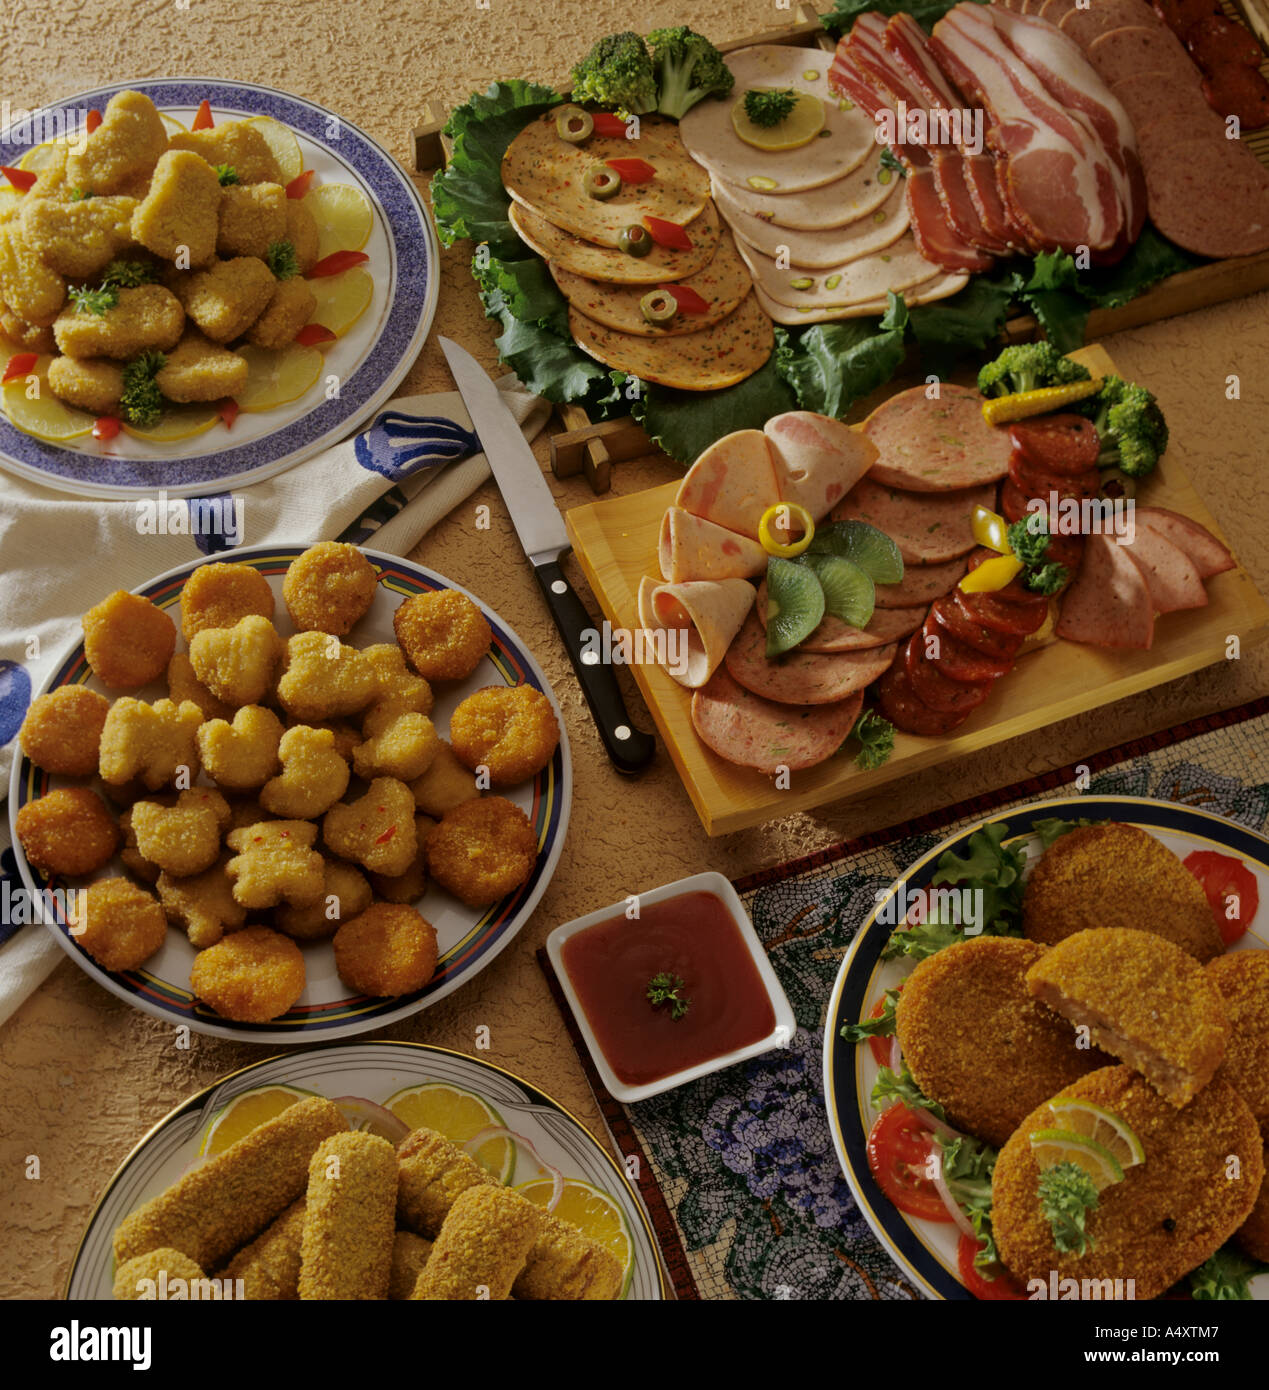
x=106 y=427
x=336 y=262
x=667 y=233
x=687 y=299
x=228 y=409
x=21 y=179
x=20 y=364
x=299 y=185
x=203 y=116
x=387 y=835
x=92 y=121
x=632 y=170
x=313 y=333
x=607 y=124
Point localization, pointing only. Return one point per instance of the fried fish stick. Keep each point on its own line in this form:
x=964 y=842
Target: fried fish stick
x=270 y=1266
x=409 y=1255
x=349 y=1219
x=433 y=1173
x=137 y=1280
x=210 y=1212
x=564 y=1264
x=482 y=1246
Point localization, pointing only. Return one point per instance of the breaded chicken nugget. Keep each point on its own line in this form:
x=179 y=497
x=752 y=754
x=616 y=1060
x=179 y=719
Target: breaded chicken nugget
x=130 y=855
x=1253 y=1235
x=140 y=1278
x=270 y=1266
x=126 y=145
x=482 y=850
x=118 y=924
x=409 y=1255
x=324 y=678
x=252 y=217
x=149 y=743
x=563 y=1264
x=397 y=690
x=78 y=239
x=1145 y=1001
x=446 y=784
x=302 y=233
x=62 y=730
x=228 y=297
x=26 y=335
x=183 y=684
x=443 y=634
x=397 y=745
x=230 y=1199
x=482 y=1246
x=313 y=775
x=1168 y=1214
x=1080 y=883
x=345 y=894
x=407 y=887
x=202 y=904
x=146 y=317
x=51 y=180
x=329 y=588
x=237 y=664
x=511 y=730
x=179 y=217
x=67 y=831
x=388 y=950
x=1243 y=980
x=197 y=370
x=238 y=144
x=91 y=383
x=31 y=290
x=349 y=1219
x=241 y=755
x=128 y=640
x=287 y=312
x=978 y=1043
x=251 y=976
x=275 y=862
x=218 y=595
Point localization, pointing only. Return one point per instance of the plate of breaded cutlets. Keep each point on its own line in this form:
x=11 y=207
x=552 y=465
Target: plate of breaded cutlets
x=314 y=1176
x=202 y=282
x=1046 y=1057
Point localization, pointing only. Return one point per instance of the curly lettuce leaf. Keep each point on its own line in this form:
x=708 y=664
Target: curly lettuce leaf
x=840 y=19
x=832 y=365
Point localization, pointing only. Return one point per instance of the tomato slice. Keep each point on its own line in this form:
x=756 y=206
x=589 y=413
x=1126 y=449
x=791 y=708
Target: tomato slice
x=667 y=233
x=608 y=124
x=977 y=1281
x=203 y=116
x=687 y=299
x=228 y=410
x=632 y=170
x=21 y=179
x=20 y=364
x=313 y=333
x=92 y=121
x=899 y=1148
x=1230 y=886
x=335 y=263
x=300 y=184
x=105 y=427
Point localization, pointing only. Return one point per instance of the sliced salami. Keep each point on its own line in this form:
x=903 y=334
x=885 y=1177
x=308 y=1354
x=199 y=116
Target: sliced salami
x=1171 y=576
x=933 y=688
x=1119 y=53
x=745 y=729
x=921 y=584
x=930 y=528
x=1238 y=91
x=907 y=712
x=1210 y=555
x=802 y=678
x=1109 y=604
x=833 y=635
x=936 y=446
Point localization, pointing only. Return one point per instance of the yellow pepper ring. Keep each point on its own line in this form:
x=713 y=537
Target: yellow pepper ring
x=782 y=516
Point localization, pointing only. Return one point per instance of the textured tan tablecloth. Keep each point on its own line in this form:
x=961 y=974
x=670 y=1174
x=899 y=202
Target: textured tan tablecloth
x=82 y=1075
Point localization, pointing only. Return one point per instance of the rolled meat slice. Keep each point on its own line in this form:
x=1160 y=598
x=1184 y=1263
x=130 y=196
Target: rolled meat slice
x=817 y=459
x=732 y=483
x=692 y=548
x=706 y=614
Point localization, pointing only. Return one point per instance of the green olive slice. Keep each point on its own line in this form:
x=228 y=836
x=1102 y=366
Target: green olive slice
x=574 y=125
x=659 y=306
x=602 y=182
x=636 y=240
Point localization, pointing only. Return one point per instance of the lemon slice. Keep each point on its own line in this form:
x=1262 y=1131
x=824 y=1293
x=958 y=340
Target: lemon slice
x=171 y=124
x=1095 y=1122
x=285 y=147
x=592 y=1211
x=44 y=416
x=177 y=422
x=1052 y=1146
x=343 y=217
x=457 y=1114
x=798 y=128
x=245 y=1113
x=341 y=299
x=276 y=376
x=40 y=156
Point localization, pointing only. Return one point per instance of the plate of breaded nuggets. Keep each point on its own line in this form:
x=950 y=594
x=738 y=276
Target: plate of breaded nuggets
x=202 y=282
x=300 y=792
x=1049 y=1079
x=333 y=1197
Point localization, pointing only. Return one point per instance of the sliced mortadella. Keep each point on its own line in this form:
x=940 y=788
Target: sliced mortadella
x=1108 y=604
x=732 y=483
x=817 y=459
x=693 y=548
x=707 y=613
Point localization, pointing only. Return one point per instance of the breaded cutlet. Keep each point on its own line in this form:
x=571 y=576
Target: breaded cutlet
x=1243 y=980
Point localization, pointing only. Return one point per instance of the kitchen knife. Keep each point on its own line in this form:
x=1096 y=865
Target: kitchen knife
x=540 y=528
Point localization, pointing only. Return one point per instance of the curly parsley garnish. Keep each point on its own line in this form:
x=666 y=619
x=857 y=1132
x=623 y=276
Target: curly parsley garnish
x=89 y=301
x=281 y=260
x=142 y=401
x=227 y=174
x=664 y=989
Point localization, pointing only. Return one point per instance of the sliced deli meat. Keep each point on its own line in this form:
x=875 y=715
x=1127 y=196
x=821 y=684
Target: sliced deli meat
x=732 y=483
x=1171 y=576
x=745 y=729
x=1210 y=555
x=802 y=678
x=1118 y=53
x=833 y=635
x=925 y=293
x=692 y=548
x=706 y=615
x=1087 y=22
x=838 y=204
x=1209 y=195
x=1108 y=604
x=938 y=445
x=817 y=459
x=928 y=528
x=851 y=282
x=921 y=584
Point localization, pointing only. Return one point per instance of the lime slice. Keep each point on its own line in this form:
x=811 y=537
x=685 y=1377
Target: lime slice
x=872 y=550
x=592 y=1211
x=245 y=1113
x=176 y=422
x=341 y=299
x=342 y=215
x=799 y=127
x=458 y=1115
x=276 y=376
x=284 y=146
x=1103 y=1126
x=848 y=592
x=795 y=605
x=1053 y=1146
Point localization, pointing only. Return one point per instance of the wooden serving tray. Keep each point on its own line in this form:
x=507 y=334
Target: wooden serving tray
x=616 y=543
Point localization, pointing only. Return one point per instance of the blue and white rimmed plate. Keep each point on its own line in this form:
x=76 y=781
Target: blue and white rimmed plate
x=369 y=361
x=468 y=938
x=372 y=1071
x=926 y=1250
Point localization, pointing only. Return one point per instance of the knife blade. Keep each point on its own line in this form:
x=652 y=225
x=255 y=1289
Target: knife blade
x=543 y=537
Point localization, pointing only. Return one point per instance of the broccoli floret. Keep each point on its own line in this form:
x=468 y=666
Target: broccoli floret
x=617 y=72
x=1028 y=367
x=767 y=106
x=689 y=69
x=1130 y=425
x=1029 y=541
x=142 y=402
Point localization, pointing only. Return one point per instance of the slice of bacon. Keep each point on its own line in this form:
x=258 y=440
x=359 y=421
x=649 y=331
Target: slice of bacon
x=935 y=237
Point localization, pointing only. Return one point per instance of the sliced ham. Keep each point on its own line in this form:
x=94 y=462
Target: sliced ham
x=732 y=483
x=929 y=528
x=935 y=236
x=886 y=625
x=1210 y=556
x=1108 y=603
x=707 y=614
x=1171 y=576
x=692 y=548
x=802 y=678
x=951 y=176
x=817 y=459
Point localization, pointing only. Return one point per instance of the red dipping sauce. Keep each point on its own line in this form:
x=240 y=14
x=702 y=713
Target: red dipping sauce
x=692 y=936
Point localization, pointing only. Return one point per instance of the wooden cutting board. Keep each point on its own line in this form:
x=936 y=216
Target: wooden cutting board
x=616 y=544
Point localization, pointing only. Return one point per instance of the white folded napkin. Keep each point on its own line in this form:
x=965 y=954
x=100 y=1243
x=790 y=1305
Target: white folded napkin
x=384 y=487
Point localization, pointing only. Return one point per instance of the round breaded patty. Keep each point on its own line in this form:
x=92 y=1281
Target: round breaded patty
x=1253 y=1234
x=329 y=588
x=978 y=1043
x=1117 y=876
x=482 y=850
x=389 y=949
x=119 y=924
x=1167 y=1215
x=68 y=831
x=219 y=595
x=511 y=730
x=443 y=634
x=252 y=976
x=62 y=730
x=1243 y=980
x=128 y=640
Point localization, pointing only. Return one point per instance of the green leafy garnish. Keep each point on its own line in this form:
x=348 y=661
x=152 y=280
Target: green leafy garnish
x=282 y=260
x=832 y=365
x=1067 y=1194
x=922 y=939
x=875 y=734
x=995 y=870
x=766 y=106
x=1029 y=541
x=127 y=275
x=845 y=12
x=686 y=423
x=227 y=174
x=77 y=195
x=903 y=1088
x=89 y=301
x=889 y=160
x=968 y=1165
x=142 y=402
x=1225 y=1276
x=881 y=1026
x=664 y=989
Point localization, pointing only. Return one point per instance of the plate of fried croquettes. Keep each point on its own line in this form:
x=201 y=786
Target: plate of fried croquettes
x=202 y=282
x=379 y=1170
x=1046 y=1059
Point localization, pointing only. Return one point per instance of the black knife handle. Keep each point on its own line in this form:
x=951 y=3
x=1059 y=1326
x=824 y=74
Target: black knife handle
x=630 y=749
